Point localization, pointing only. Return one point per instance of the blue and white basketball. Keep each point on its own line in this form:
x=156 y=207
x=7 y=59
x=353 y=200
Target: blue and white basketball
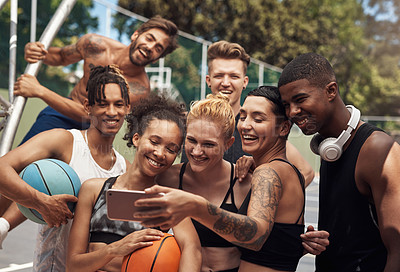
x=52 y=177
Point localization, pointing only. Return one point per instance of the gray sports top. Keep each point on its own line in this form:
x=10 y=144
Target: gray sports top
x=103 y=229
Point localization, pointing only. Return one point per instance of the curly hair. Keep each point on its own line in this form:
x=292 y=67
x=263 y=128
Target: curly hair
x=215 y=108
x=150 y=108
x=102 y=75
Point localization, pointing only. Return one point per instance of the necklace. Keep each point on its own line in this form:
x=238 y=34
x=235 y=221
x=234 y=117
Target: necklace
x=111 y=151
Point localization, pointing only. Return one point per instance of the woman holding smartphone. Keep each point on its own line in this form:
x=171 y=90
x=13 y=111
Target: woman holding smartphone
x=210 y=126
x=156 y=129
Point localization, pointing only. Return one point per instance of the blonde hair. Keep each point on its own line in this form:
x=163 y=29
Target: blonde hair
x=215 y=108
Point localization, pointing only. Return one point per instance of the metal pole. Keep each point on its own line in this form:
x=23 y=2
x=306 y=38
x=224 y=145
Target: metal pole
x=33 y=20
x=19 y=102
x=3 y=3
x=161 y=73
x=260 y=74
x=203 y=71
x=5 y=103
x=13 y=48
x=108 y=22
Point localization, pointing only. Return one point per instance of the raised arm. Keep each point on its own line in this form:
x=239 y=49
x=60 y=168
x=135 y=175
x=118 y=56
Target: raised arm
x=378 y=168
x=56 y=56
x=29 y=86
x=88 y=45
x=249 y=231
x=45 y=145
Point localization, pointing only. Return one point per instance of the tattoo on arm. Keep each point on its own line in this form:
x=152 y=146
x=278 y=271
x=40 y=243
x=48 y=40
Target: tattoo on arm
x=91 y=46
x=266 y=192
x=242 y=227
x=68 y=51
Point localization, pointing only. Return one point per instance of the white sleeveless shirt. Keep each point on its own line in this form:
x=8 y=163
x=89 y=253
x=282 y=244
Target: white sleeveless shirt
x=51 y=243
x=84 y=164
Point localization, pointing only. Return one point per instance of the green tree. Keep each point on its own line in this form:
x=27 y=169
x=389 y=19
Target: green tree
x=359 y=37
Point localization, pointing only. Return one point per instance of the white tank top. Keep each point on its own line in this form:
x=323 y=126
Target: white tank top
x=84 y=164
x=51 y=243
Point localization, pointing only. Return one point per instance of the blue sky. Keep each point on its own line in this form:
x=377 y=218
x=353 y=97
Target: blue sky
x=100 y=11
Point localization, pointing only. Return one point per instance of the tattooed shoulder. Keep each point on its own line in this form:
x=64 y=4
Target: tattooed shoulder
x=263 y=175
x=137 y=88
x=266 y=192
x=91 y=45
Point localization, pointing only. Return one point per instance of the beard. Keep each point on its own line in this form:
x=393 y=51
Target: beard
x=135 y=61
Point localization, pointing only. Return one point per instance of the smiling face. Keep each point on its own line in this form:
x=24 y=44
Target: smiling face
x=107 y=115
x=148 y=46
x=205 y=144
x=157 y=147
x=258 y=126
x=306 y=105
x=227 y=76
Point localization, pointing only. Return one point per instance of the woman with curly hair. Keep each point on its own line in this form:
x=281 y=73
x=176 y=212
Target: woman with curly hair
x=156 y=128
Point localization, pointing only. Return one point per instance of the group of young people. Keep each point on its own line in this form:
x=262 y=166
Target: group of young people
x=222 y=219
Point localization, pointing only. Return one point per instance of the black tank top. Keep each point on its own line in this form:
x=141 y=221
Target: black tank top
x=283 y=248
x=208 y=238
x=355 y=241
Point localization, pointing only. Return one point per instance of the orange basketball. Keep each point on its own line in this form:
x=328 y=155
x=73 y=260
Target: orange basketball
x=162 y=256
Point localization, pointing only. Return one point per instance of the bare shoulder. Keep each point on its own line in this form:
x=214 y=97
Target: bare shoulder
x=170 y=178
x=94 y=44
x=377 y=147
x=139 y=86
x=266 y=174
x=92 y=38
x=92 y=187
x=378 y=160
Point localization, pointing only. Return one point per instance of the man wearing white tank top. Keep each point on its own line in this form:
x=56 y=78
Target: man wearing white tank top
x=90 y=153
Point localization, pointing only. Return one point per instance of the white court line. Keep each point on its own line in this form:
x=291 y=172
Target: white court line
x=16 y=267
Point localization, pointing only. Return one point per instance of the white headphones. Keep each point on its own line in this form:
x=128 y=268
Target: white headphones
x=330 y=149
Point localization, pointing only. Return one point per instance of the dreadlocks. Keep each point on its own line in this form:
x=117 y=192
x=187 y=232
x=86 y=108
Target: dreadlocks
x=102 y=75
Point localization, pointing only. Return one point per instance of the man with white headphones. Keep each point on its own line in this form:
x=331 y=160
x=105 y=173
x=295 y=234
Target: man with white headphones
x=359 y=197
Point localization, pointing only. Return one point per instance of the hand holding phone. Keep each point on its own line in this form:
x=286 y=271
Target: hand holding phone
x=120 y=204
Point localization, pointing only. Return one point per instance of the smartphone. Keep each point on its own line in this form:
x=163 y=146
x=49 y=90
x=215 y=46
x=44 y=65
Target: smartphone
x=120 y=204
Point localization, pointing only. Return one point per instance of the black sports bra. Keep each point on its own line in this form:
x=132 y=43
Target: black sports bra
x=283 y=248
x=208 y=238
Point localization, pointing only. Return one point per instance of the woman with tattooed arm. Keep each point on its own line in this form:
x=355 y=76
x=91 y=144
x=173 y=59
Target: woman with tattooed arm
x=268 y=224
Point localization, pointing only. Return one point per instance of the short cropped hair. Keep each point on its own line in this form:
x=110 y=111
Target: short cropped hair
x=311 y=66
x=165 y=25
x=102 y=75
x=272 y=95
x=154 y=107
x=227 y=50
x=215 y=108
